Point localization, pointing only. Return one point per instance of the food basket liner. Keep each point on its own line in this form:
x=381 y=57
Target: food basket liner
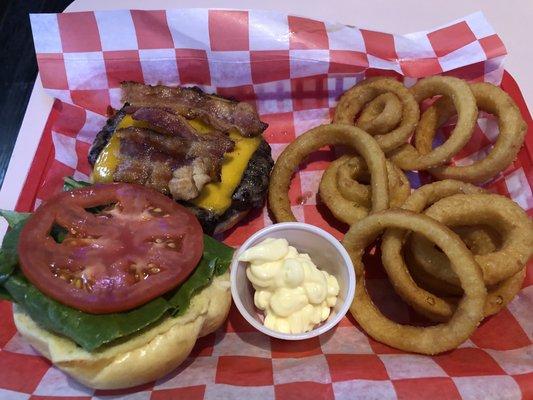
x=293 y=69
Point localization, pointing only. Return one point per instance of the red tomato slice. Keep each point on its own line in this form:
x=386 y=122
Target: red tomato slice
x=140 y=246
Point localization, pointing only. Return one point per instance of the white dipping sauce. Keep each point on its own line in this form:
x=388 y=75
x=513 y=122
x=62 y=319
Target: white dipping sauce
x=293 y=293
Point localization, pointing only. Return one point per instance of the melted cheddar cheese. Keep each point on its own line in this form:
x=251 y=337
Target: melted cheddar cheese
x=215 y=196
x=108 y=159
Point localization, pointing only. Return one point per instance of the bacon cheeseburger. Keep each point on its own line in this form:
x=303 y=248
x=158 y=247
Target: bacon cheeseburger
x=205 y=151
x=114 y=283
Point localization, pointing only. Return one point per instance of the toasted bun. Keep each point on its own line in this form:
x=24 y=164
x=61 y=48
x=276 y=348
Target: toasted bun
x=143 y=358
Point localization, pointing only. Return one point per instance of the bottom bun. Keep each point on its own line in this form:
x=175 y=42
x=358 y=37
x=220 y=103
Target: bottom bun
x=143 y=358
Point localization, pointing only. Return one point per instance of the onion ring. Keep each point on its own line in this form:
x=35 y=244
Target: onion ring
x=352 y=177
x=381 y=115
x=408 y=157
x=347 y=199
x=424 y=340
x=512 y=128
x=480 y=239
x=393 y=240
x=498 y=296
x=314 y=139
x=345 y=210
x=355 y=169
x=503 y=293
x=491 y=209
x=422 y=290
x=440 y=289
x=354 y=100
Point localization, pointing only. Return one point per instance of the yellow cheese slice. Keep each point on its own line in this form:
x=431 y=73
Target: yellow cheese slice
x=108 y=159
x=215 y=196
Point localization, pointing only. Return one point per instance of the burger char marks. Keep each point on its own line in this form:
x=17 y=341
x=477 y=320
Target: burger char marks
x=220 y=113
x=153 y=159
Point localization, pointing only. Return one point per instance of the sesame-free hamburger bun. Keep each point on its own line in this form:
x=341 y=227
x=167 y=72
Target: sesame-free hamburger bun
x=142 y=358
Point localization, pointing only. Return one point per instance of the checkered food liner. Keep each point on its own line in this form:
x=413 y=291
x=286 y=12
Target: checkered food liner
x=293 y=69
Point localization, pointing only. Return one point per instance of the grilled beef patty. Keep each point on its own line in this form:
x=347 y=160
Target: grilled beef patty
x=250 y=193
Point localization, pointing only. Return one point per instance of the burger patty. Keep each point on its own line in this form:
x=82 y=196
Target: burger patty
x=250 y=193
x=103 y=137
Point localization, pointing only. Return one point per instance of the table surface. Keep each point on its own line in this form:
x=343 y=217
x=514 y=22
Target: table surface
x=18 y=66
x=511 y=19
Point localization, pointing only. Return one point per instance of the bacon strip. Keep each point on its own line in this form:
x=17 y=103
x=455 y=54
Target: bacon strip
x=178 y=126
x=151 y=158
x=220 y=113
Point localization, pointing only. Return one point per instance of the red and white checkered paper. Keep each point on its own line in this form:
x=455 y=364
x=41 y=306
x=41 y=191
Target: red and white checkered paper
x=293 y=69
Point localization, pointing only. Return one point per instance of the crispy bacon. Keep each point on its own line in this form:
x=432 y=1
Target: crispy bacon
x=169 y=154
x=170 y=123
x=151 y=158
x=220 y=113
x=178 y=126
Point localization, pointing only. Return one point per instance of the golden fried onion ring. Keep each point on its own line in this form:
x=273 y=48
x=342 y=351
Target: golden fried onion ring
x=351 y=177
x=424 y=340
x=408 y=157
x=354 y=100
x=345 y=210
x=355 y=169
x=498 y=296
x=512 y=128
x=503 y=293
x=480 y=239
x=497 y=211
x=312 y=140
x=347 y=199
x=393 y=241
x=381 y=115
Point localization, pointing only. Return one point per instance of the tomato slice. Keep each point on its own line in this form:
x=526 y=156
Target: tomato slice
x=139 y=246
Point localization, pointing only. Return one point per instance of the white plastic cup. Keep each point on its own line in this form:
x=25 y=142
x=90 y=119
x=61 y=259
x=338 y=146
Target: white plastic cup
x=325 y=251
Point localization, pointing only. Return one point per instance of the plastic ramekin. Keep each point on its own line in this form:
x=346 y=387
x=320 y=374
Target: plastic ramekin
x=325 y=251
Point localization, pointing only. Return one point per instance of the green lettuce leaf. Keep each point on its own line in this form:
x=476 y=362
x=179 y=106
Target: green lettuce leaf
x=70 y=183
x=4 y=294
x=92 y=331
x=8 y=253
x=14 y=217
x=8 y=262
